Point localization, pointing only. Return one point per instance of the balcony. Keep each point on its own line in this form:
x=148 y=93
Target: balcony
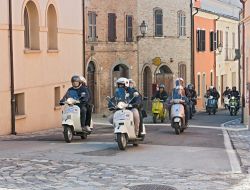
x=229 y=54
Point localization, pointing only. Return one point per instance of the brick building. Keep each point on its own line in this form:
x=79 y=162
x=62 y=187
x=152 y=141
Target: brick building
x=165 y=51
x=111 y=49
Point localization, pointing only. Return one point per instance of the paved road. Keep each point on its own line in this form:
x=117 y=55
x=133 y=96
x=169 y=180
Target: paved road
x=197 y=159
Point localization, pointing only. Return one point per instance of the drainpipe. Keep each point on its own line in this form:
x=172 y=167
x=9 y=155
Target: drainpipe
x=215 y=56
x=83 y=38
x=243 y=62
x=13 y=120
x=192 y=43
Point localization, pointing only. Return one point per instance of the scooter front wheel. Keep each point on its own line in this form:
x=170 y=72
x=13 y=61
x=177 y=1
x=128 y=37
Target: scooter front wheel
x=154 y=118
x=122 y=141
x=68 y=134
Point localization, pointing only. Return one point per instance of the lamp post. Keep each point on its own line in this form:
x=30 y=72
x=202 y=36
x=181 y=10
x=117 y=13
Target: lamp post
x=143 y=30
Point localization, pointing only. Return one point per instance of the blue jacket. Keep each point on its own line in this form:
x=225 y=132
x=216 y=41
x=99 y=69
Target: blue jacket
x=82 y=94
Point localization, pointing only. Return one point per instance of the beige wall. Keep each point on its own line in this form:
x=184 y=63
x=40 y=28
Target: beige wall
x=107 y=55
x=36 y=73
x=227 y=67
x=169 y=46
x=247 y=58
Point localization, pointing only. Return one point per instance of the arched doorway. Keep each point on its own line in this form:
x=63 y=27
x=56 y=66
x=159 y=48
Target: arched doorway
x=92 y=82
x=120 y=70
x=147 y=82
x=147 y=87
x=164 y=75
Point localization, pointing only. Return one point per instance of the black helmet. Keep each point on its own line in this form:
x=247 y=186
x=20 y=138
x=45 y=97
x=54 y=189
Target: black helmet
x=74 y=80
x=190 y=87
x=162 y=86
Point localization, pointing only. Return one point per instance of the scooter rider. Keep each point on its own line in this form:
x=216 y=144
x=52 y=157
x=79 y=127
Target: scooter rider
x=235 y=93
x=161 y=93
x=83 y=95
x=89 y=105
x=193 y=95
x=179 y=93
x=123 y=88
x=226 y=92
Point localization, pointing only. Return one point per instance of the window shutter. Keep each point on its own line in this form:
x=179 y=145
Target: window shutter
x=211 y=41
x=111 y=27
x=198 y=40
x=129 y=28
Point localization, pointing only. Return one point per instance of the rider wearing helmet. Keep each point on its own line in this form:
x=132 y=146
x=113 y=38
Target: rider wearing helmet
x=161 y=93
x=123 y=92
x=89 y=104
x=81 y=94
x=193 y=95
x=235 y=93
x=180 y=93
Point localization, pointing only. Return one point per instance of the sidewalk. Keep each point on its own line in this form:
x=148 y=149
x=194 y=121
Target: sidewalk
x=240 y=139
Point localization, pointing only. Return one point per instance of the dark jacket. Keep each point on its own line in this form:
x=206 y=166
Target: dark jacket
x=82 y=94
x=162 y=96
x=236 y=94
x=215 y=94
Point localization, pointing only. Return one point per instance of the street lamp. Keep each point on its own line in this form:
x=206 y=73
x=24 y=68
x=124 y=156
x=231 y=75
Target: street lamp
x=220 y=46
x=143 y=29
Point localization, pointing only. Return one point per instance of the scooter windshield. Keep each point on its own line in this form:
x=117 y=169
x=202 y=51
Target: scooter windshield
x=72 y=94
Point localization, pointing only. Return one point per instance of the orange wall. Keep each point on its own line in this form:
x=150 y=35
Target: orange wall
x=203 y=61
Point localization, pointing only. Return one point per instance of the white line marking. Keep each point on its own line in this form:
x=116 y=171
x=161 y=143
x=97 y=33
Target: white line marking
x=234 y=161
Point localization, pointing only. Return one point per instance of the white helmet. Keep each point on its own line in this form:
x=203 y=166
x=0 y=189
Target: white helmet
x=83 y=80
x=211 y=88
x=124 y=81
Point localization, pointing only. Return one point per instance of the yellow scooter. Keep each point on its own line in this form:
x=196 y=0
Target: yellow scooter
x=158 y=110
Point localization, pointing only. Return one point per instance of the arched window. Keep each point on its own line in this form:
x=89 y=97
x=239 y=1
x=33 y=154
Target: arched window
x=158 y=15
x=26 y=29
x=181 y=23
x=183 y=72
x=52 y=28
x=31 y=26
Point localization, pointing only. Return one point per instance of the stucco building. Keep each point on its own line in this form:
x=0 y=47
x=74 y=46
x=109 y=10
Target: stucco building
x=165 y=51
x=44 y=32
x=215 y=63
x=246 y=57
x=111 y=49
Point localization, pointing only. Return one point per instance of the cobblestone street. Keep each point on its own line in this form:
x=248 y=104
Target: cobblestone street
x=44 y=174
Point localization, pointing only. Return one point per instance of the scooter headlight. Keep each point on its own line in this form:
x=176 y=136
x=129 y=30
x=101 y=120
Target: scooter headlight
x=122 y=105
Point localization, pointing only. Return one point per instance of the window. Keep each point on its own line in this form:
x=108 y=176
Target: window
x=233 y=40
x=227 y=50
x=19 y=104
x=219 y=38
x=199 y=85
x=129 y=28
x=92 y=26
x=26 y=29
x=181 y=23
x=57 y=96
x=201 y=40
x=211 y=78
x=31 y=26
x=52 y=28
x=213 y=41
x=158 y=23
x=112 y=27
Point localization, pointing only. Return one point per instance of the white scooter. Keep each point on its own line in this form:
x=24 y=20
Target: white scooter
x=226 y=102
x=71 y=121
x=123 y=123
x=178 y=116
